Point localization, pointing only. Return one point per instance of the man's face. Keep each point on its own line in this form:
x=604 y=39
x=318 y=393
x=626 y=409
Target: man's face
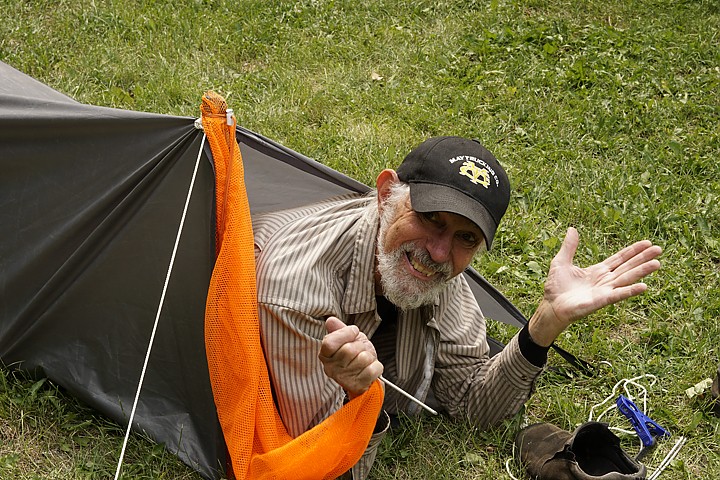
x=418 y=253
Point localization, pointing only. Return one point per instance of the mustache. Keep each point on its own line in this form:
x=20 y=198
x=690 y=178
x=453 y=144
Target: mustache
x=422 y=256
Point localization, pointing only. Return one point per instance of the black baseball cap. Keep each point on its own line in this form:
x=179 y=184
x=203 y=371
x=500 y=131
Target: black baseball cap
x=457 y=175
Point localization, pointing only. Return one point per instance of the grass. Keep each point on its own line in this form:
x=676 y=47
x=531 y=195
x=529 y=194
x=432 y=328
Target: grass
x=46 y=435
x=606 y=115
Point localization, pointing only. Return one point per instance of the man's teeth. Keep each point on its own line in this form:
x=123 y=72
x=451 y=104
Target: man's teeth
x=421 y=268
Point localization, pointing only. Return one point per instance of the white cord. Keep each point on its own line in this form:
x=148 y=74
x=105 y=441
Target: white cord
x=624 y=382
x=159 y=310
x=507 y=469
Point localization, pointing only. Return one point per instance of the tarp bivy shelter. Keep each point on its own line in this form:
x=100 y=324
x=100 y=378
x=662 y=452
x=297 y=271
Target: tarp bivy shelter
x=90 y=201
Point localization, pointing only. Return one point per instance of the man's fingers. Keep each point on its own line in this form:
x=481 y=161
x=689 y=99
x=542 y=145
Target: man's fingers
x=357 y=376
x=339 y=335
x=348 y=354
x=645 y=258
x=348 y=357
x=370 y=373
x=623 y=293
x=633 y=275
x=633 y=255
x=362 y=361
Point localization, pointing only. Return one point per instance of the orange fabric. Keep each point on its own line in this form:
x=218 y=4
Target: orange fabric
x=258 y=443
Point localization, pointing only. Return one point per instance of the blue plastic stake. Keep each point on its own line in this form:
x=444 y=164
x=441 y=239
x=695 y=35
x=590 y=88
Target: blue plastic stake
x=647 y=428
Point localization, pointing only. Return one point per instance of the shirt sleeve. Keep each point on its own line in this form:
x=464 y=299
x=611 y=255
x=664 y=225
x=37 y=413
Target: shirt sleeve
x=467 y=381
x=291 y=340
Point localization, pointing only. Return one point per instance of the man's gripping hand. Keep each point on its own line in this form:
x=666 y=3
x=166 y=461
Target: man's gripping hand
x=349 y=358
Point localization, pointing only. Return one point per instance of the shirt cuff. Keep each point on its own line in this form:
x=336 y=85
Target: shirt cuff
x=534 y=353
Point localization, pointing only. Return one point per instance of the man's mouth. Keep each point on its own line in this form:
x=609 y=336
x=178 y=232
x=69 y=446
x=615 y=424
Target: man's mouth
x=419 y=266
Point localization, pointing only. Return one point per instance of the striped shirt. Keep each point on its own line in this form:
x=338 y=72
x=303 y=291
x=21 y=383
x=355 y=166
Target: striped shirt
x=318 y=261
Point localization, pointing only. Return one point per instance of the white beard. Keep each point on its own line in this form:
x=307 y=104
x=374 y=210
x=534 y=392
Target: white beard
x=399 y=286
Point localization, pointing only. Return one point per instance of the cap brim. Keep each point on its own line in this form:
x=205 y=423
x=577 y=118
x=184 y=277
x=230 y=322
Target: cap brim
x=426 y=197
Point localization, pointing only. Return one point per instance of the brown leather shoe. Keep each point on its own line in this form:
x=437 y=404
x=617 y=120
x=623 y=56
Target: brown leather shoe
x=591 y=452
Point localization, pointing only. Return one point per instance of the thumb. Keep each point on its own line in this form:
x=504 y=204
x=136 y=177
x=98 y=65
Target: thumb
x=569 y=247
x=333 y=324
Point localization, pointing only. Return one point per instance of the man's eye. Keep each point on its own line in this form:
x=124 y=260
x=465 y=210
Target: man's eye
x=469 y=239
x=432 y=217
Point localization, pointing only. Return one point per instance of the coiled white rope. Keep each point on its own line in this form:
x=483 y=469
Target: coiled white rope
x=159 y=310
x=624 y=382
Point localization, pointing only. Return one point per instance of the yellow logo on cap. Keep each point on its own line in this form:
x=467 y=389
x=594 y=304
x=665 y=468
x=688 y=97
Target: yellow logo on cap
x=476 y=175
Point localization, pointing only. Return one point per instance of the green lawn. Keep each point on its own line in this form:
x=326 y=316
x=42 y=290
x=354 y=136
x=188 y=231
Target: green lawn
x=606 y=115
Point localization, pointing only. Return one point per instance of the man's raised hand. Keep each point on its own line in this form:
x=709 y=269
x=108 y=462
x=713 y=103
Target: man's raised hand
x=572 y=292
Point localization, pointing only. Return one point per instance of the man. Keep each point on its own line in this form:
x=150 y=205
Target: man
x=355 y=287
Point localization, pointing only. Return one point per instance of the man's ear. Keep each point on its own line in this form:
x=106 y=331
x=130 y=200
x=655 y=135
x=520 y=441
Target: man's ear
x=384 y=181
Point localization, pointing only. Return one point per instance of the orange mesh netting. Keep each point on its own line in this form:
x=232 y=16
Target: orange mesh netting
x=257 y=441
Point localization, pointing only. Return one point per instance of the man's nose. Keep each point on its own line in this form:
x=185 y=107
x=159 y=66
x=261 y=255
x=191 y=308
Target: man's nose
x=439 y=246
